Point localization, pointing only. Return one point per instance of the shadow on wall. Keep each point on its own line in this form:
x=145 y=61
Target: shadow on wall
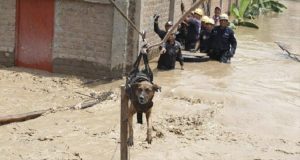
x=86 y=68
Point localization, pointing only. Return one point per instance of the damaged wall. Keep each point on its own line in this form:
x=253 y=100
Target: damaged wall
x=83 y=38
x=7 y=32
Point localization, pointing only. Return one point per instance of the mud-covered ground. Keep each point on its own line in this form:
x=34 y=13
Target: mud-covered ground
x=248 y=110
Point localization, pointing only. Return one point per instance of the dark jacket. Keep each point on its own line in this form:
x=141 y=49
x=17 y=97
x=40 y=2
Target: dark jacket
x=222 y=39
x=158 y=31
x=173 y=53
x=205 y=41
x=194 y=28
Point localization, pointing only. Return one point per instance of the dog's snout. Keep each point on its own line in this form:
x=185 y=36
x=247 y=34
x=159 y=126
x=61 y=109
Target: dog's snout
x=142 y=99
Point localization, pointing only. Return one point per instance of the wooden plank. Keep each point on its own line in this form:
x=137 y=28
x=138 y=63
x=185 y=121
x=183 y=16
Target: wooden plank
x=124 y=124
x=21 y=117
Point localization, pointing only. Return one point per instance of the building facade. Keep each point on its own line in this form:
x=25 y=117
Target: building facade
x=82 y=37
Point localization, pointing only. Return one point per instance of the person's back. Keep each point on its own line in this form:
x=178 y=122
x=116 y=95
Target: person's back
x=194 y=28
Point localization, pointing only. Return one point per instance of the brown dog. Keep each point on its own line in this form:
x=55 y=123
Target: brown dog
x=141 y=102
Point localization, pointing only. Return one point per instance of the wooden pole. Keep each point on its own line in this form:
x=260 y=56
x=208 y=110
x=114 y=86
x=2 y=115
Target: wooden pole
x=124 y=124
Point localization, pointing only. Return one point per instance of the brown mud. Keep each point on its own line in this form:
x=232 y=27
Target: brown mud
x=248 y=110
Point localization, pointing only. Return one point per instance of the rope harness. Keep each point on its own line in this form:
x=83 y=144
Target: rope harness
x=136 y=76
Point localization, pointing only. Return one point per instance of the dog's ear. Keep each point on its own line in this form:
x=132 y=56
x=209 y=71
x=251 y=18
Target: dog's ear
x=156 y=88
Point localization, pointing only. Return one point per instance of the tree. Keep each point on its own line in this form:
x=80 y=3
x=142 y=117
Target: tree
x=250 y=9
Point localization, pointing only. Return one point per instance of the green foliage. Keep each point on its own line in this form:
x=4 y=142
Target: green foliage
x=239 y=14
x=243 y=6
x=257 y=7
x=235 y=11
x=249 y=9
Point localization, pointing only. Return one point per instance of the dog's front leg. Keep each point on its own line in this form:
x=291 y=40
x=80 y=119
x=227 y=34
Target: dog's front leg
x=131 y=112
x=149 y=126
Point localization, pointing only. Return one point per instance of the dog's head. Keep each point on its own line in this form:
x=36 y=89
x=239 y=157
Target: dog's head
x=144 y=91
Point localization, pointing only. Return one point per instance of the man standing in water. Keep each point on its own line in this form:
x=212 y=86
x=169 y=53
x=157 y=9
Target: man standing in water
x=223 y=42
x=169 y=54
x=205 y=35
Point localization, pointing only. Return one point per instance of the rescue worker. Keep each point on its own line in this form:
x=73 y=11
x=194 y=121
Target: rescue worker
x=169 y=54
x=216 y=17
x=205 y=36
x=193 y=30
x=223 y=42
x=158 y=31
x=204 y=19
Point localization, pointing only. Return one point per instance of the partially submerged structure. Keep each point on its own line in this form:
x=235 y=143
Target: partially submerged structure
x=81 y=37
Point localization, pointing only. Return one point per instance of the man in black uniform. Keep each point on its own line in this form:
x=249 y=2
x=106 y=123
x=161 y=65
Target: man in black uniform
x=158 y=31
x=223 y=42
x=205 y=35
x=170 y=53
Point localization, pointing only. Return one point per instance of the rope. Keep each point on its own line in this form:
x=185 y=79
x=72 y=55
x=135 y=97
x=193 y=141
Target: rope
x=126 y=18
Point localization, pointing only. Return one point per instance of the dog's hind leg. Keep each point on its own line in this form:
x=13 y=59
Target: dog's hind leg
x=149 y=126
x=131 y=112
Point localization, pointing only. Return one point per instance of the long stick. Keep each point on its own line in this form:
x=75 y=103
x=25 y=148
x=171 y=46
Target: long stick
x=291 y=55
x=21 y=117
x=194 y=6
x=32 y=115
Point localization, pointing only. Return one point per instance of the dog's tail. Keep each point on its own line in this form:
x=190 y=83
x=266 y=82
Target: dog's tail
x=139 y=117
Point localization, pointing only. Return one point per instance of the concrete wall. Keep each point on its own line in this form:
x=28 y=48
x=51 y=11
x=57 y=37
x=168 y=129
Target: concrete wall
x=187 y=5
x=7 y=31
x=83 y=37
x=150 y=8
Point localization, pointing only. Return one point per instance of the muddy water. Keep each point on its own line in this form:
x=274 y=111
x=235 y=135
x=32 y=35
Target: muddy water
x=246 y=110
x=260 y=76
x=260 y=93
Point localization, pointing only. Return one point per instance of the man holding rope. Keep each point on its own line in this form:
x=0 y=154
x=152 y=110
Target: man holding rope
x=169 y=54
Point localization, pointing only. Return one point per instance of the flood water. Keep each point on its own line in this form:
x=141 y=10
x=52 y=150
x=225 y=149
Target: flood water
x=246 y=110
x=260 y=89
